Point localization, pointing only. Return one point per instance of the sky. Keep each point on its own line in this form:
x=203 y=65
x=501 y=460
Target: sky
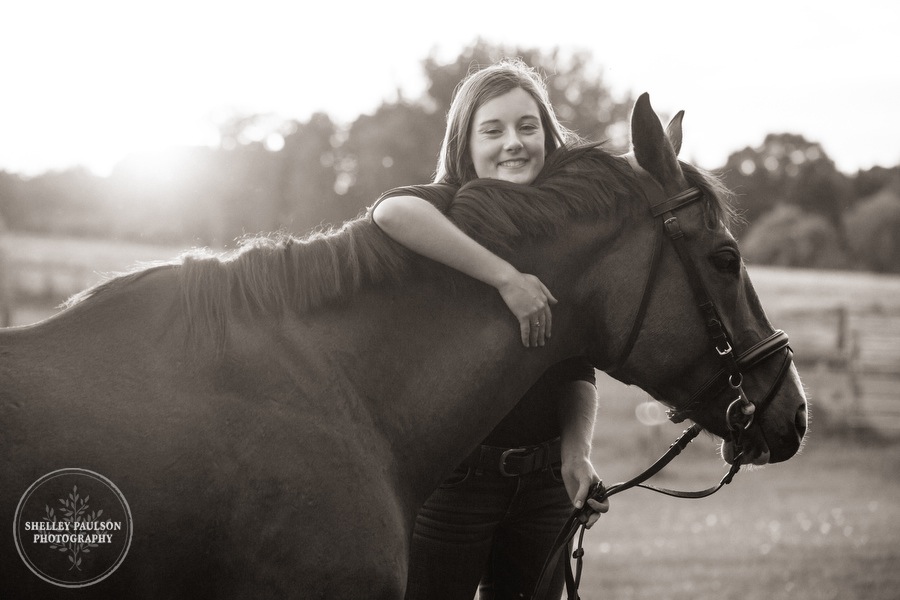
x=89 y=82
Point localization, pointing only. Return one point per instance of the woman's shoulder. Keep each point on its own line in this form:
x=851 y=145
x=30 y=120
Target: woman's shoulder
x=439 y=194
x=425 y=191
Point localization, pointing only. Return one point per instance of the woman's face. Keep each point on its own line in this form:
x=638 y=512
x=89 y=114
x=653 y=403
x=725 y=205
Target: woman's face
x=507 y=139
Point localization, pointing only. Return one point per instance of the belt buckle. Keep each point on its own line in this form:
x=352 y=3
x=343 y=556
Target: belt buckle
x=503 y=458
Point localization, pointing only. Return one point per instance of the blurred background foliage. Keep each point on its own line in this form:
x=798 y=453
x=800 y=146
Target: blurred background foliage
x=269 y=174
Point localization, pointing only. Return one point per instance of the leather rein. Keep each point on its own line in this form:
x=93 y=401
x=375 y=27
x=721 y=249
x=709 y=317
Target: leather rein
x=741 y=410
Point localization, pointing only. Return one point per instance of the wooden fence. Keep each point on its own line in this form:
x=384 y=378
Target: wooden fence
x=851 y=362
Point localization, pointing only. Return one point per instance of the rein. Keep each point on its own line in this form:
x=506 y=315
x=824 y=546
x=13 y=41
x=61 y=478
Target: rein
x=741 y=410
x=577 y=521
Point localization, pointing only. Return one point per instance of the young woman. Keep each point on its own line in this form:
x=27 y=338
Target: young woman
x=494 y=520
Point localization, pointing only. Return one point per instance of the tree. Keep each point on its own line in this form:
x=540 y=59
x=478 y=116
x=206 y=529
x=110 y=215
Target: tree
x=70 y=201
x=869 y=182
x=5 y=280
x=787 y=168
x=873 y=228
x=581 y=98
x=819 y=188
x=272 y=174
x=249 y=174
x=307 y=176
x=167 y=197
x=397 y=145
x=790 y=237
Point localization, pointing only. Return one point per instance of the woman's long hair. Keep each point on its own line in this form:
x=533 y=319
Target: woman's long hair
x=454 y=162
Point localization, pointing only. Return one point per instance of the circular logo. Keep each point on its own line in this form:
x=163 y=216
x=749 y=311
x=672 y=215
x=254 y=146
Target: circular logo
x=73 y=527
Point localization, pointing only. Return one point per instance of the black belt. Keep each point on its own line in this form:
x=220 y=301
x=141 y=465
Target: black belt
x=510 y=462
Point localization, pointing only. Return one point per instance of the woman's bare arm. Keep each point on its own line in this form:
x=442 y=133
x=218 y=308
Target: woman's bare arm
x=422 y=228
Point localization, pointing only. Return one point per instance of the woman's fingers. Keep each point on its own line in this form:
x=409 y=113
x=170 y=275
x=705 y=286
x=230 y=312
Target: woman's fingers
x=547 y=293
x=538 y=328
x=536 y=337
x=598 y=508
x=540 y=321
x=548 y=314
x=525 y=330
x=530 y=300
x=548 y=322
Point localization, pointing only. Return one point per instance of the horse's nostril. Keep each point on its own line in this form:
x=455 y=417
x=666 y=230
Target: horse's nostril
x=800 y=420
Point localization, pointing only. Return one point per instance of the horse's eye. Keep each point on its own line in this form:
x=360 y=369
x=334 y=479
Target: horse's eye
x=727 y=260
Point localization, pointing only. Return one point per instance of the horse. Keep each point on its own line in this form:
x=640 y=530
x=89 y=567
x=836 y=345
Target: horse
x=275 y=416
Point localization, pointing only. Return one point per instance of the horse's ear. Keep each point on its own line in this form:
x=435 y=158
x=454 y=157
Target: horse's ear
x=673 y=131
x=652 y=147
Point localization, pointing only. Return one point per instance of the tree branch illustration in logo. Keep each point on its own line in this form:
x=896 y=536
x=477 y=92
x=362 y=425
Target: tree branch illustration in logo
x=74 y=510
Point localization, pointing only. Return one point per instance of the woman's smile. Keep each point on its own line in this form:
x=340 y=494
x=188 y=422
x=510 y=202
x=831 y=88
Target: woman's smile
x=513 y=164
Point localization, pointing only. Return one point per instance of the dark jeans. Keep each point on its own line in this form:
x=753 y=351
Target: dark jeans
x=487 y=528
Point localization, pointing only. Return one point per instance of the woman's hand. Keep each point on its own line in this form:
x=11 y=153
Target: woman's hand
x=578 y=476
x=530 y=301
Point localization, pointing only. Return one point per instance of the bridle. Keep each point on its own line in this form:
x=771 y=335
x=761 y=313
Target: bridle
x=741 y=411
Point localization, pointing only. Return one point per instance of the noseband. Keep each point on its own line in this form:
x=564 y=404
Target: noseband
x=739 y=415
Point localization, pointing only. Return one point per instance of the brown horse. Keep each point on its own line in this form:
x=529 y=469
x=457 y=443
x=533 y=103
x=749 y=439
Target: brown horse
x=276 y=417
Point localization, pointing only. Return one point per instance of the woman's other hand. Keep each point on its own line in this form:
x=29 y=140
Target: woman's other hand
x=578 y=476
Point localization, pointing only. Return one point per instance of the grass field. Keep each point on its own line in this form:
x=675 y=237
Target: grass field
x=825 y=524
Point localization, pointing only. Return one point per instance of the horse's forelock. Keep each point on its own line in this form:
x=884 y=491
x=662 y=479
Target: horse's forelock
x=719 y=198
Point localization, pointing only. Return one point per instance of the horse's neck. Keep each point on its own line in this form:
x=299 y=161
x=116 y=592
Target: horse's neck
x=419 y=341
x=433 y=370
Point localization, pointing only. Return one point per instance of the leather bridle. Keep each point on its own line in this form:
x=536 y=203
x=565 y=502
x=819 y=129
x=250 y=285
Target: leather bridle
x=741 y=411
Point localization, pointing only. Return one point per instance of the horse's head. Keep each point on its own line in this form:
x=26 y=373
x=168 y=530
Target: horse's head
x=699 y=340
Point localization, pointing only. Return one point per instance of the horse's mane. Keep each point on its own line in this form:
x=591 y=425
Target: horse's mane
x=583 y=182
x=278 y=272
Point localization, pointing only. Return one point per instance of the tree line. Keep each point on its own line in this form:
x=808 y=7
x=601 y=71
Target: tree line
x=270 y=174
